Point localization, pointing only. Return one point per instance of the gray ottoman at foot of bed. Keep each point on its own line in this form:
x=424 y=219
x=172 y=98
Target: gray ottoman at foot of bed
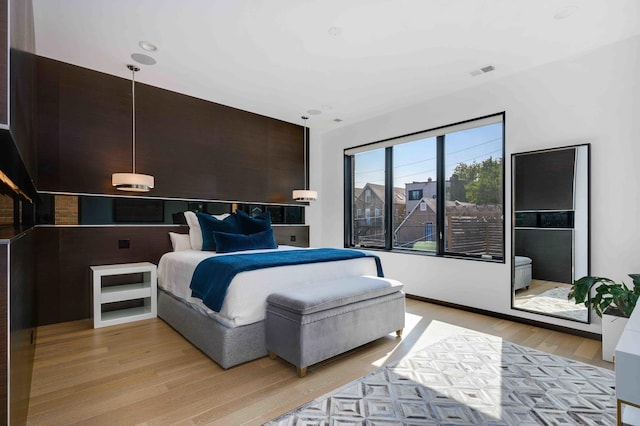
x=310 y=324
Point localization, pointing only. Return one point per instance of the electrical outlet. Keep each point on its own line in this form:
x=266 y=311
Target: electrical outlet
x=292 y=238
x=124 y=244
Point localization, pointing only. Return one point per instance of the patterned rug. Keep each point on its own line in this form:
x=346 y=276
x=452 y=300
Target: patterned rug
x=555 y=302
x=469 y=379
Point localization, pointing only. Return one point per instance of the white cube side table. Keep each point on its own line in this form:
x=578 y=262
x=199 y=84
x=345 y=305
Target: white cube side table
x=146 y=290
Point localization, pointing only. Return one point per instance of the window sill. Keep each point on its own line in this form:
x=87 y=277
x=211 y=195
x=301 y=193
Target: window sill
x=432 y=254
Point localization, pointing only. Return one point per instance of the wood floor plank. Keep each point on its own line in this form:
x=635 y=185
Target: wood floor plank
x=146 y=373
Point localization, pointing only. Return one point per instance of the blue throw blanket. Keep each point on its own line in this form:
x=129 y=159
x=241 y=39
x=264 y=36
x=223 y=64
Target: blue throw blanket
x=212 y=276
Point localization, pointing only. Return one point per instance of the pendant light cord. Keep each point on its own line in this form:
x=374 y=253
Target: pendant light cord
x=133 y=96
x=306 y=183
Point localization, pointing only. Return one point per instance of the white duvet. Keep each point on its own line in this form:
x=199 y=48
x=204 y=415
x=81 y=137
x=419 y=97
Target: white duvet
x=246 y=298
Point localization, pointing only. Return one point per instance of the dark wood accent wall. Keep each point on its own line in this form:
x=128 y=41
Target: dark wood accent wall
x=22 y=322
x=193 y=148
x=4 y=317
x=292 y=235
x=65 y=255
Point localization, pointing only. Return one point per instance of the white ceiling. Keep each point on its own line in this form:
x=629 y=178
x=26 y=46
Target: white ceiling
x=278 y=57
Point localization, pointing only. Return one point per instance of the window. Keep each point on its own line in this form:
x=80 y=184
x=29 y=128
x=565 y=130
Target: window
x=413 y=165
x=453 y=178
x=415 y=194
x=368 y=178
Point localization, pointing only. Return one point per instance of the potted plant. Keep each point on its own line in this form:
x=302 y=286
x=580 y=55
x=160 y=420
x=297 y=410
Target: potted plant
x=613 y=302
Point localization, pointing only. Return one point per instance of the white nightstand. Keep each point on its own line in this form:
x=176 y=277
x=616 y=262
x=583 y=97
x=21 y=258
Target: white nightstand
x=146 y=291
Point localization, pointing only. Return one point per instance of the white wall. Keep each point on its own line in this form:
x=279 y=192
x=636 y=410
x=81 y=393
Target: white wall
x=592 y=98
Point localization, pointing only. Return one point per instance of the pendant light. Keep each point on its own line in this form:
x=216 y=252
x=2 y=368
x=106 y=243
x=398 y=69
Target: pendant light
x=133 y=181
x=305 y=194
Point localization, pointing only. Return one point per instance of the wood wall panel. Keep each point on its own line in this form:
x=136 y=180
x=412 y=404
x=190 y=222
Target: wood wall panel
x=194 y=148
x=65 y=255
x=94 y=130
x=292 y=235
x=22 y=322
x=48 y=271
x=4 y=61
x=47 y=131
x=4 y=310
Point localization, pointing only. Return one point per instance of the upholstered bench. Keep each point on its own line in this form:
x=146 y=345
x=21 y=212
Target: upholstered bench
x=316 y=322
x=522 y=272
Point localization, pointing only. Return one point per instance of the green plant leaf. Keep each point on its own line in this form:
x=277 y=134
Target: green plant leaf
x=636 y=282
x=607 y=294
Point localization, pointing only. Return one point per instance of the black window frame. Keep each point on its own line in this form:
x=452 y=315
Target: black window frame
x=440 y=197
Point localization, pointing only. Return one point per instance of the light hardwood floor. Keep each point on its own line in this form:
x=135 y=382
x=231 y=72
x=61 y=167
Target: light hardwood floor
x=146 y=373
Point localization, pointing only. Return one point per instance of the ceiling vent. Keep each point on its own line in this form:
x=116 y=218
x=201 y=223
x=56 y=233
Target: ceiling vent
x=482 y=70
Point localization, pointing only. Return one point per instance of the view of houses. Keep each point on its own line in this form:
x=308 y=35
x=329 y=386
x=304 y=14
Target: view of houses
x=472 y=228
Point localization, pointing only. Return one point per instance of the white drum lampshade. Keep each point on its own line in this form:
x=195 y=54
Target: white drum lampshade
x=305 y=195
x=132 y=182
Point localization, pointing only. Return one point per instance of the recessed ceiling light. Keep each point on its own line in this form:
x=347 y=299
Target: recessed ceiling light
x=334 y=31
x=565 y=12
x=143 y=59
x=148 y=46
x=314 y=112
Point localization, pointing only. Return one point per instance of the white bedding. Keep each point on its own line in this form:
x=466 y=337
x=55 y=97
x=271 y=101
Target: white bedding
x=246 y=298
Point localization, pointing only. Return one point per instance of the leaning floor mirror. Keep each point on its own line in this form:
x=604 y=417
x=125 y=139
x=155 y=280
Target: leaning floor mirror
x=550 y=237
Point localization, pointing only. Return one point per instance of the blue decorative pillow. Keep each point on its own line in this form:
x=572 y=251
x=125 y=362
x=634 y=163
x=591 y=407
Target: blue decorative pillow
x=227 y=243
x=251 y=225
x=209 y=225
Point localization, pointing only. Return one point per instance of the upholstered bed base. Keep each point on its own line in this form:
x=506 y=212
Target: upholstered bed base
x=226 y=346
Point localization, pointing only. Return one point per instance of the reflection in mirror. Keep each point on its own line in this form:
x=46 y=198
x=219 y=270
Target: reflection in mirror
x=55 y=209
x=6 y=209
x=551 y=230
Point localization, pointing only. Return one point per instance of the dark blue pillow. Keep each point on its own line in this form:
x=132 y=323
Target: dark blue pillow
x=209 y=225
x=227 y=243
x=251 y=225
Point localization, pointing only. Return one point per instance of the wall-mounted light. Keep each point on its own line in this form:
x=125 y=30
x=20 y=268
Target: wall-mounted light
x=133 y=181
x=305 y=194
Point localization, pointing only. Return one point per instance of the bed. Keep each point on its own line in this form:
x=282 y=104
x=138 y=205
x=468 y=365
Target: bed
x=236 y=333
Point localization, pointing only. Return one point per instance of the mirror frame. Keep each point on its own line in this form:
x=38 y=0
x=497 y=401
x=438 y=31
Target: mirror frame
x=588 y=227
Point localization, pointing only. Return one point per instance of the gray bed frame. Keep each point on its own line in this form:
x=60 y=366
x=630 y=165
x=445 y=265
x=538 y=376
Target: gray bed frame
x=228 y=346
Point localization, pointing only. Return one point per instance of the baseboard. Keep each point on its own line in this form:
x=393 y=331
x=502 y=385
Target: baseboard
x=554 y=327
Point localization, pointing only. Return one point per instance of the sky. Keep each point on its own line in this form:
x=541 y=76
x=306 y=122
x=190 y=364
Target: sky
x=416 y=161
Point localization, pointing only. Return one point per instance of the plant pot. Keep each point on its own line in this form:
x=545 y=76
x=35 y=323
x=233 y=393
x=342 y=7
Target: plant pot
x=612 y=327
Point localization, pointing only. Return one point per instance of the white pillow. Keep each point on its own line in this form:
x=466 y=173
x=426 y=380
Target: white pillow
x=195 y=233
x=180 y=242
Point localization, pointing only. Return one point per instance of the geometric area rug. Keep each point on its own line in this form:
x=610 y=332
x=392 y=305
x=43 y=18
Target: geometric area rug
x=469 y=379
